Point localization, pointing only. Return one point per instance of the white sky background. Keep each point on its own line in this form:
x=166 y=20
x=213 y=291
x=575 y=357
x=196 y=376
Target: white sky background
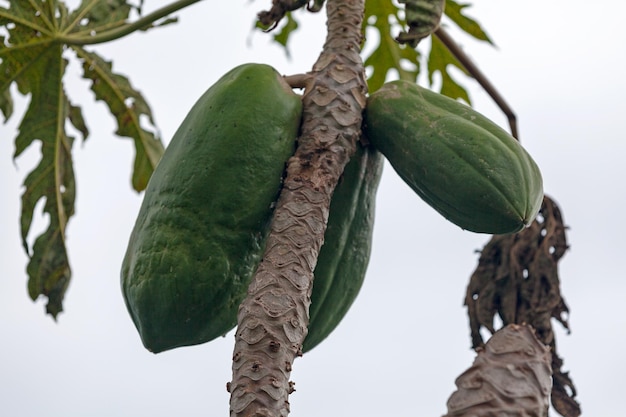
x=560 y=64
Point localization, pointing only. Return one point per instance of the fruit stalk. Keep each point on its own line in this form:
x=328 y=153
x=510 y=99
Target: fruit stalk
x=273 y=319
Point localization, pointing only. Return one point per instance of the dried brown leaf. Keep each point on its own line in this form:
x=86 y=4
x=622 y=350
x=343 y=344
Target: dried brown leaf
x=517 y=278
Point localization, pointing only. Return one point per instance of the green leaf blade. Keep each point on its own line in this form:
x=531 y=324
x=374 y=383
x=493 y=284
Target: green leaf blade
x=438 y=61
x=282 y=37
x=93 y=16
x=127 y=106
x=52 y=179
x=6 y=102
x=454 y=11
x=29 y=20
x=28 y=39
x=389 y=54
x=50 y=273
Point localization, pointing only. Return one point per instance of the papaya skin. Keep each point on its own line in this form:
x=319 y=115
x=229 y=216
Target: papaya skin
x=200 y=231
x=459 y=162
x=344 y=256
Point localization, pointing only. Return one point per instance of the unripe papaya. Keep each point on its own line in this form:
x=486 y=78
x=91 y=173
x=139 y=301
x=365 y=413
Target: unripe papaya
x=465 y=166
x=201 y=228
x=344 y=256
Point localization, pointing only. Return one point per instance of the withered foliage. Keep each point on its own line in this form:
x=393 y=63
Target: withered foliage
x=517 y=278
x=279 y=9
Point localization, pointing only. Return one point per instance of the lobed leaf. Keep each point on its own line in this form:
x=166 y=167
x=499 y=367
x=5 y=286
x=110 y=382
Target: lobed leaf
x=289 y=27
x=127 y=106
x=25 y=43
x=454 y=11
x=52 y=179
x=32 y=60
x=389 y=54
x=439 y=59
x=32 y=57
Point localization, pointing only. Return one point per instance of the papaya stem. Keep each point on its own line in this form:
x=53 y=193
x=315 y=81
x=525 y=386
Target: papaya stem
x=479 y=76
x=273 y=319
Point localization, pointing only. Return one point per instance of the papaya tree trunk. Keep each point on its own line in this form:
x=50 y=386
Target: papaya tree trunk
x=273 y=319
x=511 y=376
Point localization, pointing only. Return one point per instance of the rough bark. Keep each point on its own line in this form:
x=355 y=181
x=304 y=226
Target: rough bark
x=273 y=319
x=511 y=376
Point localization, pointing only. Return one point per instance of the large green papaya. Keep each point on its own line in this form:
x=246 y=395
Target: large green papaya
x=344 y=257
x=200 y=231
x=465 y=166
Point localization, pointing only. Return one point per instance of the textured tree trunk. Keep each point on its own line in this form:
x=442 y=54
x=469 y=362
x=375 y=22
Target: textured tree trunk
x=511 y=376
x=273 y=319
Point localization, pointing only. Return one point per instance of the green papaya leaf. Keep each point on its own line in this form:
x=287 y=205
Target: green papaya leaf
x=94 y=16
x=127 y=106
x=439 y=59
x=282 y=37
x=6 y=101
x=454 y=11
x=388 y=55
x=52 y=179
x=34 y=56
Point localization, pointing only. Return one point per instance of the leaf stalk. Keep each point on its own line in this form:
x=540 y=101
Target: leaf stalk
x=118 y=32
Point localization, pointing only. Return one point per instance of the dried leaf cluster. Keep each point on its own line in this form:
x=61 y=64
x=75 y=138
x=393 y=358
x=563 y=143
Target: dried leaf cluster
x=517 y=279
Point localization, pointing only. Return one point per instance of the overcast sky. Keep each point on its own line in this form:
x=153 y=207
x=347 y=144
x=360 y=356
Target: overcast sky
x=560 y=65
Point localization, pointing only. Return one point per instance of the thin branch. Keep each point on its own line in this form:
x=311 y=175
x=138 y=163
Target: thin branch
x=482 y=79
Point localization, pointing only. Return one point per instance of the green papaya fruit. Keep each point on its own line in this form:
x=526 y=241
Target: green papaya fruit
x=465 y=166
x=344 y=256
x=200 y=231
